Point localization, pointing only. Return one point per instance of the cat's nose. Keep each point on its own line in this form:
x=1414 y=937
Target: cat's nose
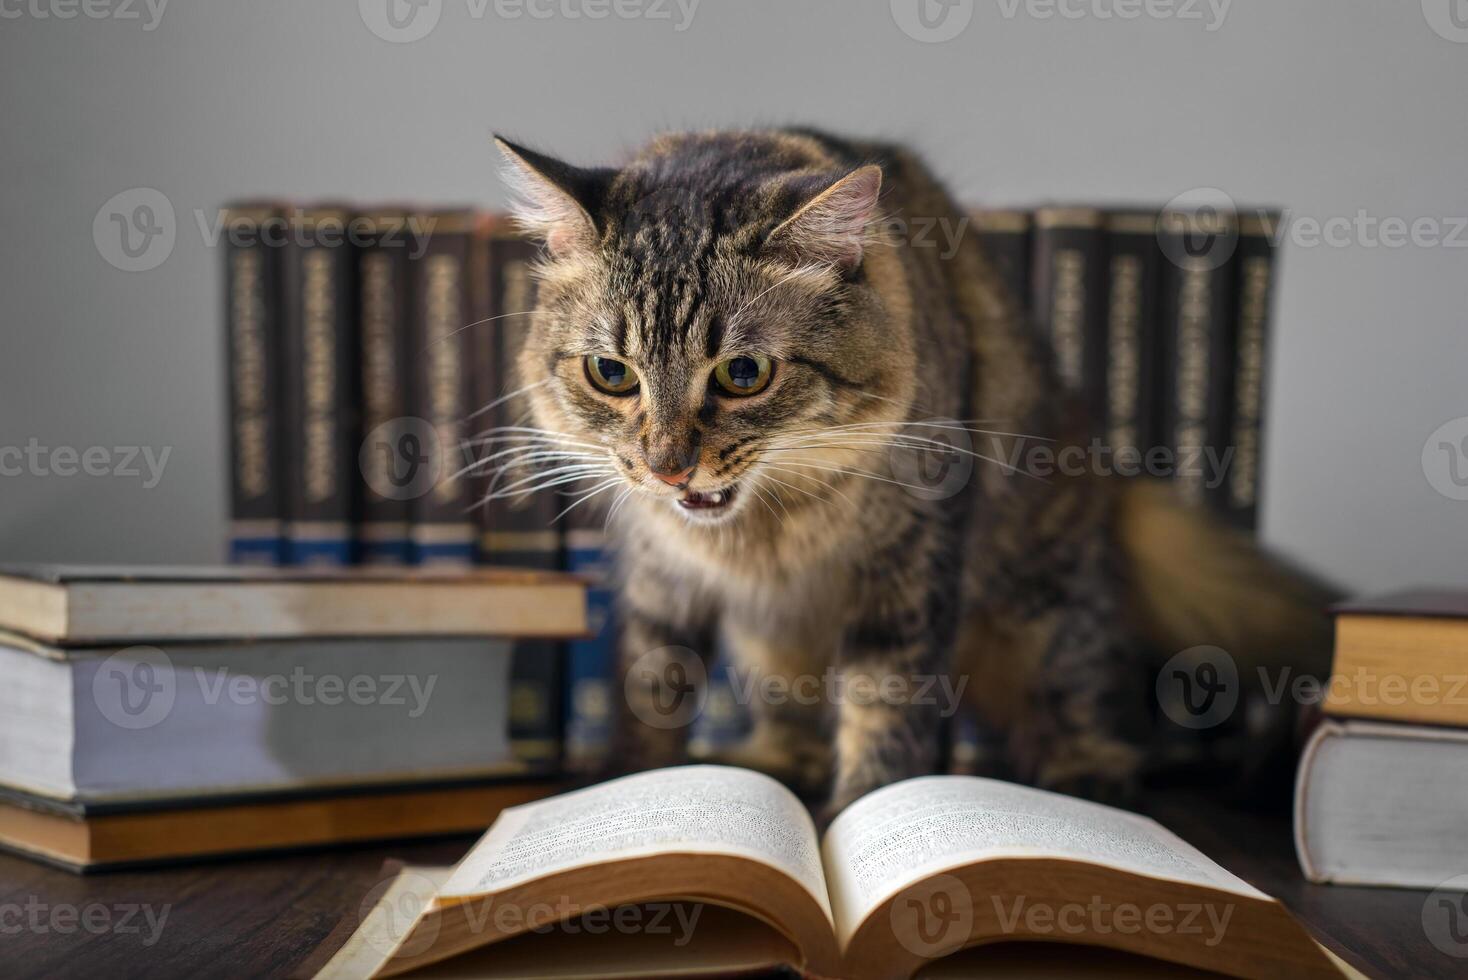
x=672 y=463
x=679 y=479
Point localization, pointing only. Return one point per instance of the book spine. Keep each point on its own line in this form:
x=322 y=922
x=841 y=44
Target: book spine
x=1069 y=300
x=387 y=465
x=442 y=527
x=1004 y=235
x=320 y=400
x=591 y=688
x=514 y=531
x=1195 y=320
x=252 y=311
x=1255 y=291
x=1133 y=265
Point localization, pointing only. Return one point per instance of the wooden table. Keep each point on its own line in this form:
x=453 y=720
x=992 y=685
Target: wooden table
x=261 y=917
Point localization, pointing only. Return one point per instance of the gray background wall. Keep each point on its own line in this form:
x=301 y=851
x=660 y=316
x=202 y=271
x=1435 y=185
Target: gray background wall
x=1327 y=106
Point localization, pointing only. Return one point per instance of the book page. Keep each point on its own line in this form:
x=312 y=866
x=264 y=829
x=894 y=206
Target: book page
x=911 y=830
x=702 y=809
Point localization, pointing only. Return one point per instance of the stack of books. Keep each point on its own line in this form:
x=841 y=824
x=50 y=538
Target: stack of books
x=157 y=714
x=1160 y=321
x=1383 y=785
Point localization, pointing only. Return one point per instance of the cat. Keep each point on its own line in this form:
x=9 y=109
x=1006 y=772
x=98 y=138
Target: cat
x=735 y=340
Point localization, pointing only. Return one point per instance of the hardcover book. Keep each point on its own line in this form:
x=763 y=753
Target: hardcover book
x=252 y=288
x=1254 y=292
x=320 y=397
x=443 y=529
x=1069 y=290
x=1133 y=266
x=1196 y=330
x=390 y=453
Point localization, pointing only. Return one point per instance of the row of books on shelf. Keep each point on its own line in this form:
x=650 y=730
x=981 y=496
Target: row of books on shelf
x=1160 y=321
x=371 y=351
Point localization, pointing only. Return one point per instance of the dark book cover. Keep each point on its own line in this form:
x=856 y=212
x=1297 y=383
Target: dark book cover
x=1255 y=291
x=252 y=316
x=391 y=453
x=514 y=530
x=442 y=526
x=1133 y=265
x=320 y=398
x=1068 y=278
x=1004 y=235
x=1196 y=330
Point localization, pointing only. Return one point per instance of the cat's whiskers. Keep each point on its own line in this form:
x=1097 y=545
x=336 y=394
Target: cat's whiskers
x=600 y=488
x=545 y=480
x=504 y=398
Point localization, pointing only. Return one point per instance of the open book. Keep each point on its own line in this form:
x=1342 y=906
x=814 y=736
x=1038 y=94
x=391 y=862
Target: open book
x=714 y=870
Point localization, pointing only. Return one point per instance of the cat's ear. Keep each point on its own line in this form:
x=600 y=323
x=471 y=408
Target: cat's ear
x=831 y=227
x=551 y=200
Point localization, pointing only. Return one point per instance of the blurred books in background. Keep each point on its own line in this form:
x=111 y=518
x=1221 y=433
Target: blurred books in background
x=164 y=713
x=1383 y=784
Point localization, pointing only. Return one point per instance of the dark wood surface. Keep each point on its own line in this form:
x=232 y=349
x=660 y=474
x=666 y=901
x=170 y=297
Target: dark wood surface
x=261 y=917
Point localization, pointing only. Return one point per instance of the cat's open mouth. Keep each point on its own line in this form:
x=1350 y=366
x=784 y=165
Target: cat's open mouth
x=707 y=500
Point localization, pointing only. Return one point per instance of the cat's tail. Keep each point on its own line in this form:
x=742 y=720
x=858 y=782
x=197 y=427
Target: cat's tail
x=1197 y=587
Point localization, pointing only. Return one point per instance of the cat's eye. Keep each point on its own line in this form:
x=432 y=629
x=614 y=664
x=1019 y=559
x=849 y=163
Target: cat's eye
x=611 y=375
x=747 y=374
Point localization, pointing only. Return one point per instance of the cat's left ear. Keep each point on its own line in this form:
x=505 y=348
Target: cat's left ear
x=832 y=226
x=553 y=201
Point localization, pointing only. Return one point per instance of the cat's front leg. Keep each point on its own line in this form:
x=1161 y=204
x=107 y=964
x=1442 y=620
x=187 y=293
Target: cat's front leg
x=894 y=660
x=663 y=653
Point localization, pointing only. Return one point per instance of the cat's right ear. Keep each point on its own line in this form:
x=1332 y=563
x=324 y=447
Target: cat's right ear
x=551 y=200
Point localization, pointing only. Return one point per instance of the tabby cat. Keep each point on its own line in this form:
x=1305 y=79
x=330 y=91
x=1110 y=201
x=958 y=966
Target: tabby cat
x=735 y=343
